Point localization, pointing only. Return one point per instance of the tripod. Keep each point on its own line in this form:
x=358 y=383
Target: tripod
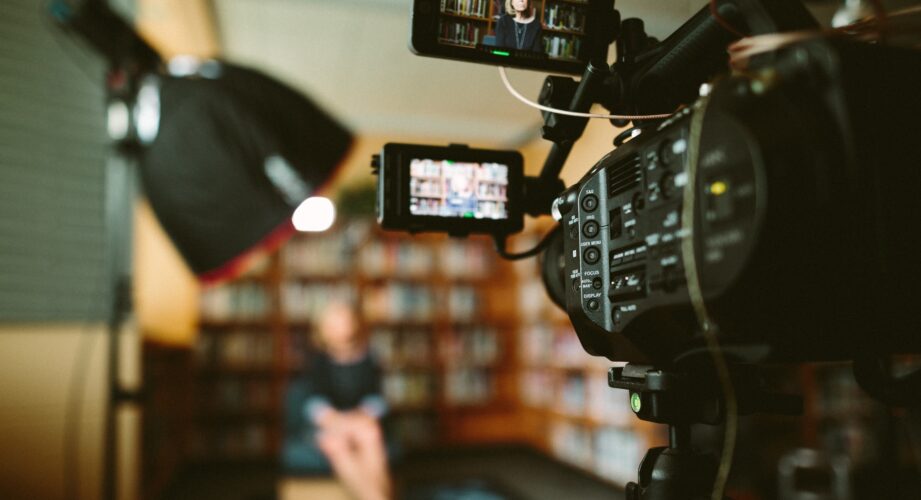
x=680 y=398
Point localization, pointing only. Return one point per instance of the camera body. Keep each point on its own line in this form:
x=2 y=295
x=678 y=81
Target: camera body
x=453 y=189
x=802 y=202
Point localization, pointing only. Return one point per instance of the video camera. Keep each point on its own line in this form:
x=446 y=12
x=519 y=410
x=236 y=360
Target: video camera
x=797 y=172
x=773 y=209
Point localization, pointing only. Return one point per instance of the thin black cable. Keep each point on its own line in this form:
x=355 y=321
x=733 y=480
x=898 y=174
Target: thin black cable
x=500 y=247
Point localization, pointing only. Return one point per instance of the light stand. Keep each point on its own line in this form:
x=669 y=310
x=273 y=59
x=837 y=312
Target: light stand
x=129 y=58
x=225 y=155
x=121 y=190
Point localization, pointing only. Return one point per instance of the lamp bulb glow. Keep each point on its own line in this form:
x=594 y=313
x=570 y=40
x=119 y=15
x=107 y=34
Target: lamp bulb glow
x=315 y=214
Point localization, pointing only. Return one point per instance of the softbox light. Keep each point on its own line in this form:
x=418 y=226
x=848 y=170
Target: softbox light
x=236 y=152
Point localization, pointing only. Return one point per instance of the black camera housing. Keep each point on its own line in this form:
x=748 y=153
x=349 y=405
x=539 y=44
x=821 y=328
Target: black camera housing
x=395 y=196
x=805 y=196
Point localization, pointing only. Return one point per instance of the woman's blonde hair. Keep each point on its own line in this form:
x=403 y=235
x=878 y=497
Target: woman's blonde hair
x=332 y=306
x=510 y=10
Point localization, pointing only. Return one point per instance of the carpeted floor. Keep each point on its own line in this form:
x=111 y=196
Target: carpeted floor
x=507 y=473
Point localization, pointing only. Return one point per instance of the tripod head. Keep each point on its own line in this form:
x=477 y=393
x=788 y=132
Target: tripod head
x=679 y=398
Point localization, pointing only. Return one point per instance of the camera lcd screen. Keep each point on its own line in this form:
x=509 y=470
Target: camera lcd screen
x=535 y=34
x=458 y=189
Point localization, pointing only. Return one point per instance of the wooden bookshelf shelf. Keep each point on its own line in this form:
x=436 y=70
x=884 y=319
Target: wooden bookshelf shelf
x=466 y=17
x=566 y=31
x=219 y=325
x=235 y=418
x=444 y=41
x=243 y=371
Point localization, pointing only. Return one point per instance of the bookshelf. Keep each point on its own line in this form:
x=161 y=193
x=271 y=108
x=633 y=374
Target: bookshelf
x=428 y=303
x=468 y=23
x=567 y=406
x=563 y=24
x=236 y=379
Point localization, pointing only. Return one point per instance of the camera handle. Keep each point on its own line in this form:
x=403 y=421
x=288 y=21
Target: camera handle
x=597 y=85
x=679 y=399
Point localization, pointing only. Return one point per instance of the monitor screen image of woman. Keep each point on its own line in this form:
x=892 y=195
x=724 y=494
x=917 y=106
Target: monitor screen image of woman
x=519 y=28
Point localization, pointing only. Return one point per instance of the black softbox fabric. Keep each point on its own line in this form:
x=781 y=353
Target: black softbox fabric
x=206 y=173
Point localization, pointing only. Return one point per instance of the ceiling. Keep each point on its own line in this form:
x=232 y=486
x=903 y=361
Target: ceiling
x=352 y=57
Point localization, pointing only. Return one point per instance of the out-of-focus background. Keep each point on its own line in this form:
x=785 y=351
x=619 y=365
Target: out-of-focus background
x=489 y=388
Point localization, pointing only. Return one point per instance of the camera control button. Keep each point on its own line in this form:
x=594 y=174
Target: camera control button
x=667 y=185
x=591 y=255
x=590 y=229
x=597 y=283
x=593 y=304
x=590 y=203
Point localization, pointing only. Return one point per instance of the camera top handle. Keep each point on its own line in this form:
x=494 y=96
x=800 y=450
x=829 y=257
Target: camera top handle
x=649 y=76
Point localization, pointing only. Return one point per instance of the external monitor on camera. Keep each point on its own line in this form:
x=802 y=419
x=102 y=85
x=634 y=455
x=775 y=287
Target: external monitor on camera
x=452 y=189
x=546 y=36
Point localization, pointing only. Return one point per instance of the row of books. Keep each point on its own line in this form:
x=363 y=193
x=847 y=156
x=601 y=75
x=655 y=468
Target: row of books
x=311 y=257
x=244 y=301
x=572 y=395
x=395 y=347
x=576 y=395
x=475 y=346
x=329 y=255
x=415 y=429
x=466 y=259
x=250 y=440
x=557 y=346
x=396 y=259
x=395 y=302
x=238 y=349
x=463 y=303
x=408 y=388
x=426 y=187
x=475 y=8
x=460 y=33
x=618 y=453
x=491 y=190
x=536 y=344
x=302 y=301
x=399 y=302
x=465 y=386
x=610 y=452
x=429 y=188
x=450 y=206
x=561 y=46
x=607 y=405
x=563 y=16
x=234 y=395
x=536 y=388
x=572 y=443
x=534 y=304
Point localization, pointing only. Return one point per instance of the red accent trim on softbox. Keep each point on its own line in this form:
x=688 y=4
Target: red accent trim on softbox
x=236 y=266
x=274 y=240
x=339 y=168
